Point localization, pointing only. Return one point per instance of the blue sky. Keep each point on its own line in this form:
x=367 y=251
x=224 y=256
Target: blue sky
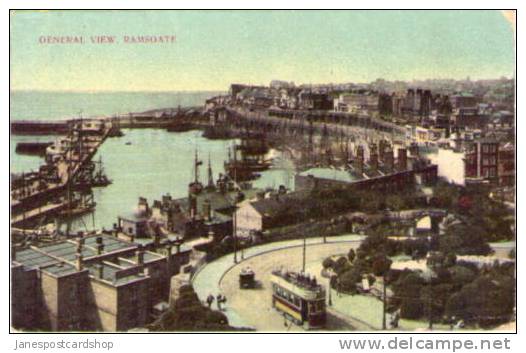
x=215 y=48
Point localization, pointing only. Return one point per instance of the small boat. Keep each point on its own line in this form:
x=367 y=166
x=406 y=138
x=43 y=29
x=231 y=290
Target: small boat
x=99 y=177
x=128 y=143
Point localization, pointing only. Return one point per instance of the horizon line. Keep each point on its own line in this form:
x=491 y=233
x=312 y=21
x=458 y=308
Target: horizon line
x=512 y=77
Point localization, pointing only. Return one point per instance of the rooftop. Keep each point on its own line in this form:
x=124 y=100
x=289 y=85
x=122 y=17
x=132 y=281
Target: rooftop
x=58 y=259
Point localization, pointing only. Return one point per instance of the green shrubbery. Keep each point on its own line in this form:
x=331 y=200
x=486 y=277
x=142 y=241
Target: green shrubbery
x=461 y=291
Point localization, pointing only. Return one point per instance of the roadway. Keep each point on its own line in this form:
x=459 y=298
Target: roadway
x=252 y=307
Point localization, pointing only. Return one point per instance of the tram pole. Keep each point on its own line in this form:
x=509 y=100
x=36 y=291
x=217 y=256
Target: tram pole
x=235 y=211
x=304 y=250
x=235 y=238
x=384 y=323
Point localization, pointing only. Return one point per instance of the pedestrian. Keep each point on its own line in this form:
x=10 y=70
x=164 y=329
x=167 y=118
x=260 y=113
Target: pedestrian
x=210 y=300
x=219 y=301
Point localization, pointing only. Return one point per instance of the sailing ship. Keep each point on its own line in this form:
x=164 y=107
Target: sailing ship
x=252 y=151
x=99 y=177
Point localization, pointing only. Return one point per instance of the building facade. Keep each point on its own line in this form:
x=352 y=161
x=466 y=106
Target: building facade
x=481 y=160
x=95 y=283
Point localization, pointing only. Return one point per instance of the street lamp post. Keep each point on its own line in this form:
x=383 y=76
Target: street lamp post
x=330 y=289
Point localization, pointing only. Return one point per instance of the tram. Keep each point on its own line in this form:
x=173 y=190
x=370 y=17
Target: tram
x=299 y=297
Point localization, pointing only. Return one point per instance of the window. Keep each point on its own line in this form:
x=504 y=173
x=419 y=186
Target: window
x=296 y=301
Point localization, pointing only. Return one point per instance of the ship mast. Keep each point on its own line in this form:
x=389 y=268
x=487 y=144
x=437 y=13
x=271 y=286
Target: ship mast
x=210 y=174
x=234 y=219
x=196 y=168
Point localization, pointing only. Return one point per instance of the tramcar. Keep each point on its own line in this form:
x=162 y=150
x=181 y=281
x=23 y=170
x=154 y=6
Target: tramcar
x=247 y=278
x=299 y=297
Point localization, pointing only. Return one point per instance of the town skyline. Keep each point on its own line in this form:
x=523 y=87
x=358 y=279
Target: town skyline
x=409 y=83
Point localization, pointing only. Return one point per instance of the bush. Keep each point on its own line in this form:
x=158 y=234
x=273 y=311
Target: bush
x=381 y=264
x=435 y=260
x=416 y=248
x=328 y=263
x=461 y=275
x=450 y=260
x=348 y=280
x=351 y=255
x=341 y=265
x=411 y=309
x=487 y=301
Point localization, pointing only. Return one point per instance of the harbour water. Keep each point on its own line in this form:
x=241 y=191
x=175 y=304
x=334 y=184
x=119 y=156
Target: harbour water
x=149 y=163
x=42 y=105
x=144 y=162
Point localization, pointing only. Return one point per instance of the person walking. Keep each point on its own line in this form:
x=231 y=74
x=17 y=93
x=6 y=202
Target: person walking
x=219 y=301
x=210 y=300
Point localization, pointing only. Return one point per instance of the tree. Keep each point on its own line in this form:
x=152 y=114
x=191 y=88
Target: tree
x=348 y=280
x=464 y=239
x=450 y=260
x=488 y=300
x=351 y=255
x=381 y=264
x=434 y=299
x=461 y=275
x=341 y=265
x=328 y=263
x=407 y=290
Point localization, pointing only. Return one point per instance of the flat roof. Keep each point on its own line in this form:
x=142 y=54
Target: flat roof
x=57 y=258
x=30 y=259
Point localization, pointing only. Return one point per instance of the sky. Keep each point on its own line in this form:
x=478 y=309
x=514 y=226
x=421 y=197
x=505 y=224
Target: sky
x=215 y=48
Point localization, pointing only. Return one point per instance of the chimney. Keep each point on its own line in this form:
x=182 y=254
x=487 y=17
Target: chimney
x=143 y=207
x=383 y=146
x=100 y=270
x=156 y=239
x=169 y=256
x=373 y=157
x=402 y=159
x=413 y=150
x=167 y=199
x=80 y=244
x=78 y=262
x=359 y=160
x=100 y=245
x=389 y=159
x=140 y=255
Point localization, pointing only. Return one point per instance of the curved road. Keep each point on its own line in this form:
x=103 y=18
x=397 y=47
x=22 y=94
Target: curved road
x=251 y=308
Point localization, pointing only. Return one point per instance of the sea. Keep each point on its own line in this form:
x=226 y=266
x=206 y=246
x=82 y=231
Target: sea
x=142 y=163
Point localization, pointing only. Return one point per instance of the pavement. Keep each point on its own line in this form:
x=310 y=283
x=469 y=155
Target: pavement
x=221 y=276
